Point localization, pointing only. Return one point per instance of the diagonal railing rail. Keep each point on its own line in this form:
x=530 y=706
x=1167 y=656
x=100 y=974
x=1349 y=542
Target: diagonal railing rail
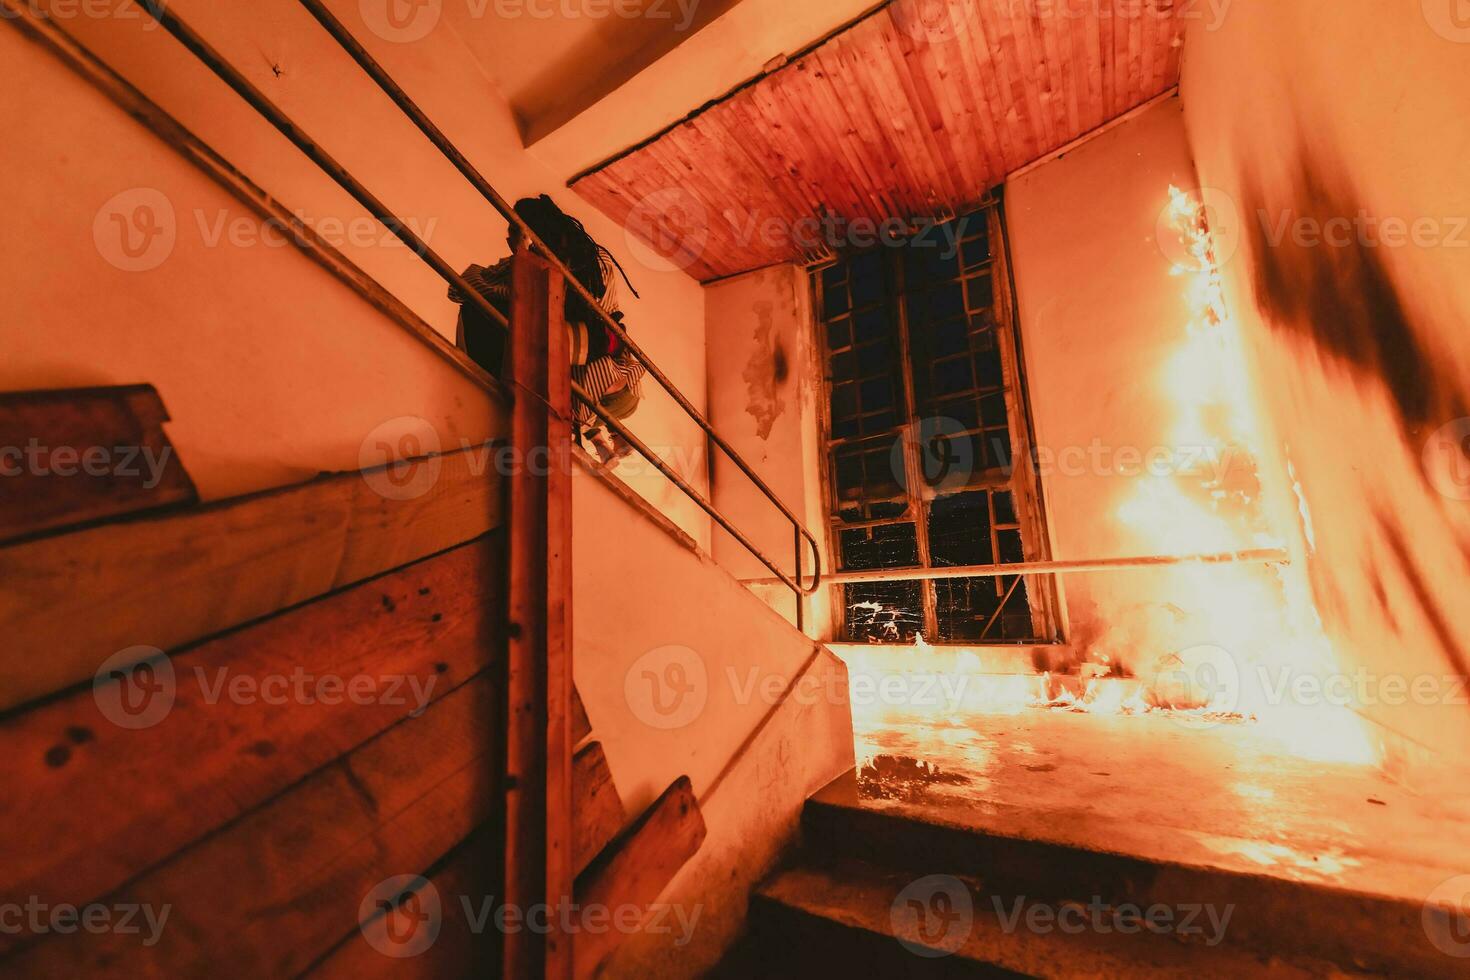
x=411 y=109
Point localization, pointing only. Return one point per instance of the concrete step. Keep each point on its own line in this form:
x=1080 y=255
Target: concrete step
x=819 y=921
x=1010 y=857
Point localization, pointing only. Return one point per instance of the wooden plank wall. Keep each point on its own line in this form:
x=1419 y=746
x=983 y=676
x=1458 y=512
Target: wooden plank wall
x=914 y=112
x=246 y=716
x=274 y=721
x=168 y=581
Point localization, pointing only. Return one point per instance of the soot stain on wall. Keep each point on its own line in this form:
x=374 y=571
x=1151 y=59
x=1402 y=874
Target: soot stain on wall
x=1343 y=297
x=1341 y=293
x=766 y=372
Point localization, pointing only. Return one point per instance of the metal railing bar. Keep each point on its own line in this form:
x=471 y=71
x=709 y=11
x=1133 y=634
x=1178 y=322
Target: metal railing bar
x=1268 y=556
x=682 y=484
x=258 y=100
x=436 y=136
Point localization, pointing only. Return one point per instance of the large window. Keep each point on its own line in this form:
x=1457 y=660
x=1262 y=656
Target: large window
x=927 y=438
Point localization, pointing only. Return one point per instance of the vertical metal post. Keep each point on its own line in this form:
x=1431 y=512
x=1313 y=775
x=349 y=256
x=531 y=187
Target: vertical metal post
x=800 y=599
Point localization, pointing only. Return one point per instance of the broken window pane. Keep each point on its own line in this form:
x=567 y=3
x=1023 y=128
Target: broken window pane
x=884 y=612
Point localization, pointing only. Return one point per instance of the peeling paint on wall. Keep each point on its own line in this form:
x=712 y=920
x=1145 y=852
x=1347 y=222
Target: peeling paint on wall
x=766 y=372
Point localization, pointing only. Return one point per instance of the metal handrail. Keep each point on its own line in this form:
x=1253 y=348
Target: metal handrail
x=674 y=477
x=258 y=100
x=1257 y=556
x=262 y=104
x=411 y=109
x=1024 y=569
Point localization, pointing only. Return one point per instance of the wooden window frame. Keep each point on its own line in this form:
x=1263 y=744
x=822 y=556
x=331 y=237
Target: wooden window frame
x=1021 y=480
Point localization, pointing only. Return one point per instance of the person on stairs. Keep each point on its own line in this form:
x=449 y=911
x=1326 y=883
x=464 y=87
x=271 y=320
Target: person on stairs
x=601 y=363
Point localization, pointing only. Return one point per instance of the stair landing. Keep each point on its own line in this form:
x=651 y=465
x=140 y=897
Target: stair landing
x=1324 y=868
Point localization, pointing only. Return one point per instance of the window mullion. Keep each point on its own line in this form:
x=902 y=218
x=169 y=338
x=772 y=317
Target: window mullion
x=913 y=460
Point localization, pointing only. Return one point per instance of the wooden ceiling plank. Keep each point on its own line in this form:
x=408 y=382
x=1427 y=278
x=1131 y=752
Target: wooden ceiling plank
x=975 y=61
x=893 y=119
x=936 y=80
x=911 y=90
x=766 y=107
x=928 y=90
x=915 y=144
x=988 y=56
x=1096 y=91
x=1047 y=42
x=637 y=179
x=1015 y=89
x=885 y=184
x=833 y=154
x=1120 y=58
x=953 y=84
x=1031 y=66
x=1153 y=31
x=1173 y=50
x=894 y=84
x=765 y=193
x=738 y=194
x=1137 y=16
x=1073 y=64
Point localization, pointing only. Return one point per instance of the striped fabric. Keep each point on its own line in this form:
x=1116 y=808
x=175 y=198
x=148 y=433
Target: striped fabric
x=617 y=384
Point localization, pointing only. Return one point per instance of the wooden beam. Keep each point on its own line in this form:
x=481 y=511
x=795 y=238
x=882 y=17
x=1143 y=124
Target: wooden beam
x=539 y=837
x=581 y=724
x=597 y=809
x=68 y=603
x=634 y=871
x=94 y=803
x=81 y=455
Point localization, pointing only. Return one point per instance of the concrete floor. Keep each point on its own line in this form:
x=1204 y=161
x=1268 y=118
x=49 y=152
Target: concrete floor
x=1231 y=795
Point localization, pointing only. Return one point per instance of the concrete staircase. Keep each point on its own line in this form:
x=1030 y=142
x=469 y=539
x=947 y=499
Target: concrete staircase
x=893 y=889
